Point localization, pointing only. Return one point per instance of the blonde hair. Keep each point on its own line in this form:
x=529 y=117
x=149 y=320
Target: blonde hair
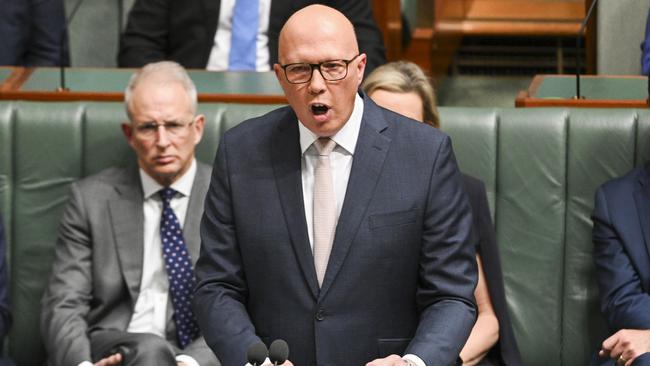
x=405 y=77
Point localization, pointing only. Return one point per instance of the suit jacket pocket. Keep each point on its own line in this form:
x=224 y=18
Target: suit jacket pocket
x=392 y=346
x=393 y=219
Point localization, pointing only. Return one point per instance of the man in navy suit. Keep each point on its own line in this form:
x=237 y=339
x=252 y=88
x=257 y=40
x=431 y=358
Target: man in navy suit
x=32 y=33
x=621 y=236
x=398 y=286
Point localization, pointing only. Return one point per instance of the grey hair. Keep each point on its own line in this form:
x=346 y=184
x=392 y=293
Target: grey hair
x=162 y=72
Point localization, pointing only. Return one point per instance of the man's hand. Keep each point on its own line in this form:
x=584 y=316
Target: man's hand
x=392 y=360
x=112 y=360
x=626 y=345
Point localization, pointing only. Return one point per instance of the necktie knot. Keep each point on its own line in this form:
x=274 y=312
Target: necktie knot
x=166 y=194
x=324 y=146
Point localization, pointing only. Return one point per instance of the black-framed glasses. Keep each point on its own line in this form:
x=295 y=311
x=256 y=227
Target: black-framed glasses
x=148 y=130
x=331 y=70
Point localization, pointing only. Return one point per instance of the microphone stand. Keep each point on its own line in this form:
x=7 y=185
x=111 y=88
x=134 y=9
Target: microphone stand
x=579 y=47
x=62 y=87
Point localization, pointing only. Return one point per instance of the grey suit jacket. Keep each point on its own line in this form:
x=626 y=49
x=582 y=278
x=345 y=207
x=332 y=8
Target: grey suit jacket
x=96 y=272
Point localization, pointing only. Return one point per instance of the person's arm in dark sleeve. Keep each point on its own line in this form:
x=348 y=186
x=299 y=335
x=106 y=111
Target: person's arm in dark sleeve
x=221 y=291
x=448 y=269
x=645 y=49
x=145 y=38
x=623 y=301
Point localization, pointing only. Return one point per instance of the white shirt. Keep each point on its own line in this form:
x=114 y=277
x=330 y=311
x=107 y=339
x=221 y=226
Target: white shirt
x=150 y=311
x=340 y=165
x=218 y=60
x=340 y=162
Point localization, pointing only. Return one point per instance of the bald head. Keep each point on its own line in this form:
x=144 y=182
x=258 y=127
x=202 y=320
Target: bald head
x=317 y=24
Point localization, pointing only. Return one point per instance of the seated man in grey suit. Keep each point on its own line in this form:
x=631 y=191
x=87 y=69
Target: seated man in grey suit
x=334 y=224
x=122 y=276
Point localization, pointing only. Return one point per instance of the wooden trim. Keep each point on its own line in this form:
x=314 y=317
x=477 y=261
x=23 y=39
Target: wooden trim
x=507 y=28
x=58 y=96
x=387 y=14
x=524 y=102
x=526 y=10
x=527 y=98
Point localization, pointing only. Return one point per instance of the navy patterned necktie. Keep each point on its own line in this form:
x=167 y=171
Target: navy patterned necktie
x=179 y=270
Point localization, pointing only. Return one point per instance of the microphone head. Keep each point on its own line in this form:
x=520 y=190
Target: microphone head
x=278 y=351
x=257 y=353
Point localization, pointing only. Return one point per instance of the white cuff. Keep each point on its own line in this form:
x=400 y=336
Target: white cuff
x=267 y=362
x=86 y=363
x=189 y=361
x=415 y=359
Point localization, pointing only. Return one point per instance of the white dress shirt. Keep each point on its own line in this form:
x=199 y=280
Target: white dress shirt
x=150 y=311
x=220 y=54
x=340 y=165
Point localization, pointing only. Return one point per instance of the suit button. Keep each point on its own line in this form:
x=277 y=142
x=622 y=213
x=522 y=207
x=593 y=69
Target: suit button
x=319 y=315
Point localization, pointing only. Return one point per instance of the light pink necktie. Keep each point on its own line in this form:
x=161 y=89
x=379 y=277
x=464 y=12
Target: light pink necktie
x=324 y=207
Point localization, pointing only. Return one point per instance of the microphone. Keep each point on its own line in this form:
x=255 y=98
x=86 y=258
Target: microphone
x=257 y=354
x=278 y=352
x=581 y=33
x=62 y=62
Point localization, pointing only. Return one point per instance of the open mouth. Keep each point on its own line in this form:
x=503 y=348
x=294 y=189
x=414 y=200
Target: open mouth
x=319 y=109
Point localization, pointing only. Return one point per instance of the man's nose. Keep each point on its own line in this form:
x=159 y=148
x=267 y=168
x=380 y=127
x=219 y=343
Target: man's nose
x=162 y=136
x=317 y=82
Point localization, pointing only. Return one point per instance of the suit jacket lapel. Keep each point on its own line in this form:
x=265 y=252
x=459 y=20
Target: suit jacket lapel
x=127 y=219
x=286 y=160
x=642 y=201
x=370 y=153
x=195 y=211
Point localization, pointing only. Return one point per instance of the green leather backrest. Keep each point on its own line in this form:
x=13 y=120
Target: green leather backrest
x=541 y=168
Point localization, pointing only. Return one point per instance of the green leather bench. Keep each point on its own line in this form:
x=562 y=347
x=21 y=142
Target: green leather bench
x=541 y=168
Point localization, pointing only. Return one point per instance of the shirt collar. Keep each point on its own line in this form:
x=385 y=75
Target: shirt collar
x=183 y=185
x=347 y=135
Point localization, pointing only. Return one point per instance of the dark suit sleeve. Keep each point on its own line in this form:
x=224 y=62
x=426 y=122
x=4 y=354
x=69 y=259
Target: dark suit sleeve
x=47 y=30
x=65 y=303
x=448 y=270
x=368 y=34
x=645 y=49
x=5 y=313
x=623 y=301
x=32 y=31
x=489 y=252
x=220 y=273
x=145 y=38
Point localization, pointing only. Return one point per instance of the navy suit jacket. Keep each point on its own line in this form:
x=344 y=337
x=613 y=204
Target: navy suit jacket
x=31 y=33
x=645 y=49
x=621 y=236
x=402 y=271
x=183 y=31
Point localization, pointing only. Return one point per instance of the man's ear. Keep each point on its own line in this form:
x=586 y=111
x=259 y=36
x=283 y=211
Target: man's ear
x=127 y=130
x=199 y=126
x=361 y=66
x=278 y=71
